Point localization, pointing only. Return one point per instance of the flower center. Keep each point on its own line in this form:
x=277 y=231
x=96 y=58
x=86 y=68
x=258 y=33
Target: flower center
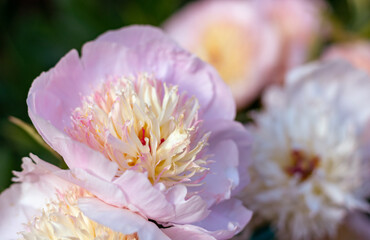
x=302 y=165
x=223 y=46
x=144 y=125
x=62 y=219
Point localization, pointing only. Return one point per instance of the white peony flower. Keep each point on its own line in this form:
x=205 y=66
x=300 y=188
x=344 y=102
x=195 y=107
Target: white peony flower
x=309 y=166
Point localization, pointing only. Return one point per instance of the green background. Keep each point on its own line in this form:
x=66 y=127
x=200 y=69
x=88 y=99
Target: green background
x=35 y=34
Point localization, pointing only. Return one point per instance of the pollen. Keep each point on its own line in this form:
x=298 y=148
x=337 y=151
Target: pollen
x=62 y=219
x=302 y=165
x=144 y=125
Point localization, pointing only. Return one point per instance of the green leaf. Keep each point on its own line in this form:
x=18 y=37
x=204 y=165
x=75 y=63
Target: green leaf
x=343 y=12
x=31 y=131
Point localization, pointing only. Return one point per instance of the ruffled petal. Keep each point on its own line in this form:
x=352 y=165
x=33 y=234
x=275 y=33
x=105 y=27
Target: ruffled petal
x=120 y=220
x=22 y=201
x=162 y=205
x=225 y=221
x=229 y=148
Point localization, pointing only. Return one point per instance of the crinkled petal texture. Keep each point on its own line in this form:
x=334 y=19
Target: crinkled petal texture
x=209 y=149
x=40 y=186
x=22 y=201
x=308 y=151
x=234 y=38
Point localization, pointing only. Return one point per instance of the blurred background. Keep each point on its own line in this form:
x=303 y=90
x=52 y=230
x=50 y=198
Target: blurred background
x=35 y=34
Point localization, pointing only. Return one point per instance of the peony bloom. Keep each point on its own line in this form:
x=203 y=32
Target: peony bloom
x=144 y=125
x=45 y=206
x=309 y=165
x=357 y=53
x=299 y=25
x=233 y=37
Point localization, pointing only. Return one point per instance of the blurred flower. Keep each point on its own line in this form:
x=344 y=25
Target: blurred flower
x=44 y=206
x=309 y=167
x=153 y=125
x=355 y=226
x=299 y=25
x=357 y=53
x=233 y=37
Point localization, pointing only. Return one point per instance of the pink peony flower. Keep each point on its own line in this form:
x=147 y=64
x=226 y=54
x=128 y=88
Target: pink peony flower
x=233 y=37
x=144 y=125
x=42 y=205
x=310 y=168
x=299 y=25
x=357 y=53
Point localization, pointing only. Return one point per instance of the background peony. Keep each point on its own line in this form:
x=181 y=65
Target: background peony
x=310 y=168
x=234 y=38
x=357 y=53
x=300 y=26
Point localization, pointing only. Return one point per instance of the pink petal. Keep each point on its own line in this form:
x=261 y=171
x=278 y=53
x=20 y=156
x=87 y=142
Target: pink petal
x=22 y=201
x=140 y=192
x=226 y=219
x=187 y=210
x=55 y=93
x=140 y=49
x=101 y=188
x=120 y=220
x=186 y=232
x=229 y=147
